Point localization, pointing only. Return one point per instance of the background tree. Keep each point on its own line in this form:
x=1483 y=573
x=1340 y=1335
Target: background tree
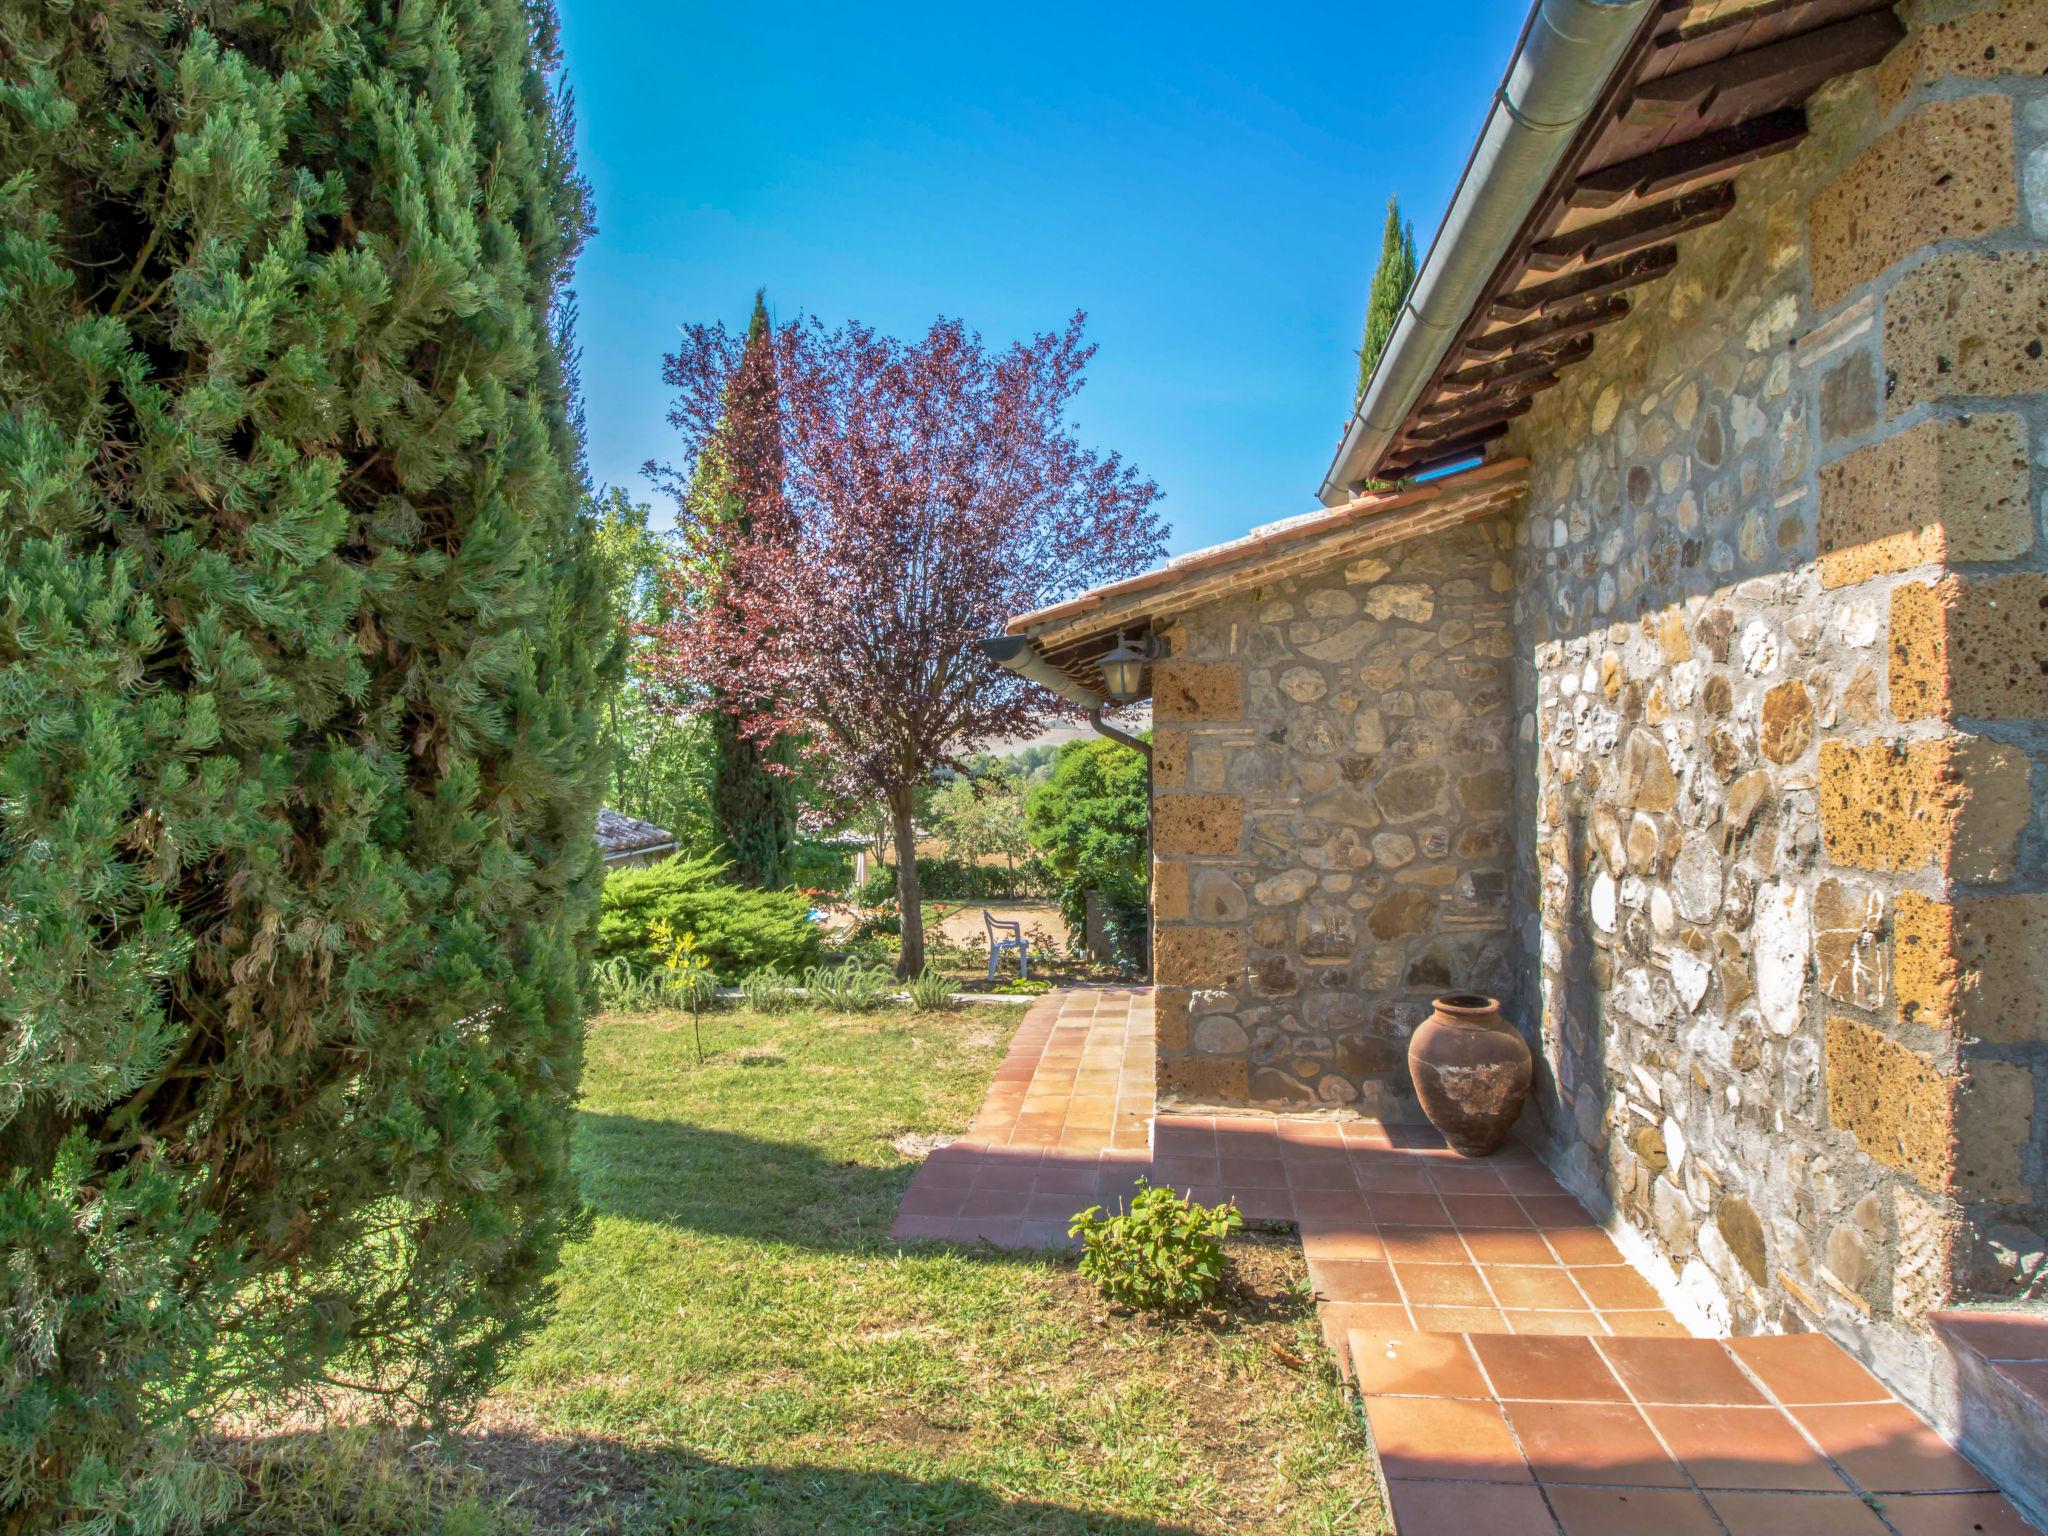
x=981 y=816
x=753 y=792
x=1091 y=823
x=931 y=489
x=1391 y=281
x=657 y=752
x=301 y=638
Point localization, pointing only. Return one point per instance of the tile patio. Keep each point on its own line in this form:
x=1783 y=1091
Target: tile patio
x=1516 y=1374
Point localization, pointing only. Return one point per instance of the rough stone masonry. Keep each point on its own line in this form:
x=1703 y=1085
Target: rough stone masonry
x=1723 y=760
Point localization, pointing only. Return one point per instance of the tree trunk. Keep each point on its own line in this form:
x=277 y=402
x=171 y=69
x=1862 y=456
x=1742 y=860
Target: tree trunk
x=909 y=894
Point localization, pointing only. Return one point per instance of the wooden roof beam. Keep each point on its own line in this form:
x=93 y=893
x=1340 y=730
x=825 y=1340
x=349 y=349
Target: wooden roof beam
x=1760 y=80
x=1422 y=458
x=1516 y=365
x=1468 y=401
x=1693 y=163
x=1635 y=231
x=1559 y=325
x=1588 y=283
x=1480 y=416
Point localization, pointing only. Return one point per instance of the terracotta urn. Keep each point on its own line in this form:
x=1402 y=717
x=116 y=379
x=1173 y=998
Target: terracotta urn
x=1471 y=1071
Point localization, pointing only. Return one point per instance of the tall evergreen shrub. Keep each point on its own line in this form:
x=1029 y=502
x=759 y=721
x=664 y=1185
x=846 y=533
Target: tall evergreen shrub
x=1391 y=281
x=300 y=645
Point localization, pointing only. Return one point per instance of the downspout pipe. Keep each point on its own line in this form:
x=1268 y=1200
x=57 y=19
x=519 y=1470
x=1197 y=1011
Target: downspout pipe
x=1022 y=658
x=1567 y=52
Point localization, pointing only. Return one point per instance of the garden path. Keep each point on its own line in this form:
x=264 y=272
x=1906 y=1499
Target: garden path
x=1515 y=1372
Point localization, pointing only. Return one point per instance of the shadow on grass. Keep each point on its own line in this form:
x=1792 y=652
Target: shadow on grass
x=724 y=1184
x=504 y=1478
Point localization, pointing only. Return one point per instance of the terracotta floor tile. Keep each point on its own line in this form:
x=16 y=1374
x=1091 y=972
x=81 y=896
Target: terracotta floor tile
x=1460 y=1509
x=1401 y=1210
x=999 y=1231
x=1592 y=1443
x=1472 y=1211
x=1332 y=1239
x=1054 y=1205
x=1376 y=1177
x=1795 y=1514
x=1353 y=1280
x=1632 y=1512
x=1539 y=1320
x=1680 y=1371
x=1443 y=1437
x=1459 y=1319
x=1496 y=1246
x=1522 y=1286
x=1954 y=1514
x=1743 y=1448
x=909 y=1229
x=1342 y=1318
x=1329 y=1202
x=1321 y=1175
x=1803 y=1368
x=1008 y=1173
x=950 y=1165
x=1548 y=1369
x=1467 y=1181
x=923 y=1199
x=1044 y=1234
x=1399 y=1363
x=1644 y=1324
x=1264 y=1204
x=1582 y=1245
x=1886 y=1448
x=1999 y=1335
x=1253 y=1172
x=1184 y=1170
x=1424 y=1245
x=1531 y=1180
x=1616 y=1286
x=2030 y=1376
x=996 y=1202
x=1443 y=1285
x=1562 y=1211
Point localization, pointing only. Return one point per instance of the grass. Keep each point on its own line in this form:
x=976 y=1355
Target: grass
x=738 y=1347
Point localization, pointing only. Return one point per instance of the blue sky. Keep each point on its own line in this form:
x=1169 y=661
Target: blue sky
x=1206 y=181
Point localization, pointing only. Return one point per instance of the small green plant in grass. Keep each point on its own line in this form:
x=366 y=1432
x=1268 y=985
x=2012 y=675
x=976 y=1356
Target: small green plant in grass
x=623 y=987
x=850 y=988
x=688 y=982
x=768 y=990
x=933 y=990
x=1163 y=1254
x=1021 y=986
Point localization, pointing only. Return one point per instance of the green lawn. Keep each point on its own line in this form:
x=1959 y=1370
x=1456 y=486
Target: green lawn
x=738 y=1347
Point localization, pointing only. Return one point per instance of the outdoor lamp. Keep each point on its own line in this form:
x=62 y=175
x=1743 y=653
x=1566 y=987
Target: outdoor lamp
x=1123 y=670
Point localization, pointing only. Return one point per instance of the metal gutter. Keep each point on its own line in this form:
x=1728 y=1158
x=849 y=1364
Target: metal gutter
x=1023 y=658
x=1567 y=51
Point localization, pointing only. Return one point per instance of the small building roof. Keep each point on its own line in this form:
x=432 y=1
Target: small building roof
x=1070 y=637
x=619 y=835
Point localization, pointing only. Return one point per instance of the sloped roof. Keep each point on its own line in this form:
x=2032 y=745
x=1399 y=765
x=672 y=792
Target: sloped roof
x=1073 y=635
x=618 y=833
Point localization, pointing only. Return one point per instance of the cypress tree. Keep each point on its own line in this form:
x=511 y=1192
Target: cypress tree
x=753 y=807
x=1391 y=281
x=300 y=644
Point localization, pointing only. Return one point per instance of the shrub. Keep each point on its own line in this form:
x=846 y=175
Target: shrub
x=1163 y=1254
x=735 y=930
x=623 y=987
x=1091 y=819
x=958 y=880
x=1023 y=986
x=302 y=646
x=931 y=990
x=850 y=988
x=768 y=991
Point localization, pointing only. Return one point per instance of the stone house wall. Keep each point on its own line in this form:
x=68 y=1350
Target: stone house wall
x=1331 y=785
x=1781 y=623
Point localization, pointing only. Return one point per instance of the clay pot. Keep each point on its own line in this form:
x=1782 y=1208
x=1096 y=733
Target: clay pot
x=1471 y=1071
